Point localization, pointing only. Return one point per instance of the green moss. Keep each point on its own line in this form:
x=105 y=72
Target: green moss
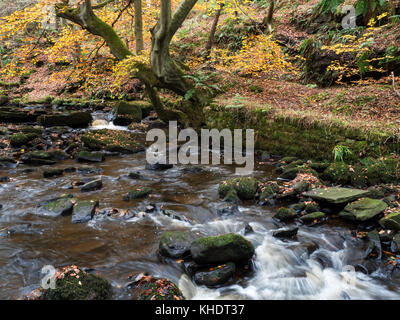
x=20 y=139
x=384 y=171
x=79 y=286
x=338 y=172
x=138 y=193
x=246 y=188
x=162 y=289
x=285 y=214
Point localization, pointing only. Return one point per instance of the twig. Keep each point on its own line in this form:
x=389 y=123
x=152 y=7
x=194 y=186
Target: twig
x=394 y=86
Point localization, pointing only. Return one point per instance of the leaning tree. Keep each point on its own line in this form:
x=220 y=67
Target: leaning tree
x=163 y=72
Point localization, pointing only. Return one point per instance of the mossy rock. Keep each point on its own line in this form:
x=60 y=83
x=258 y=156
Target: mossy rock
x=111 y=140
x=20 y=139
x=358 y=177
x=294 y=164
x=161 y=289
x=288 y=160
x=58 y=207
x=338 y=172
x=37 y=158
x=77 y=284
x=221 y=249
x=291 y=172
x=312 y=217
x=126 y=113
x=73 y=120
x=36 y=130
x=49 y=173
x=312 y=207
x=246 y=188
x=285 y=214
x=138 y=193
x=391 y=221
x=363 y=209
x=269 y=190
x=90 y=156
x=215 y=276
x=384 y=171
x=84 y=211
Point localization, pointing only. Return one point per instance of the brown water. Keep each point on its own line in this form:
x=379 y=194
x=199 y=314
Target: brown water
x=117 y=247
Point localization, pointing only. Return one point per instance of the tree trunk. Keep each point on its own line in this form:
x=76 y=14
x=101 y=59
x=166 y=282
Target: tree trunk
x=163 y=73
x=211 y=38
x=269 y=17
x=138 y=26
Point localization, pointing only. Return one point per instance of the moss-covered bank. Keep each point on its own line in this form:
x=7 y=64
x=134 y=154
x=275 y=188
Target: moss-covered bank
x=288 y=133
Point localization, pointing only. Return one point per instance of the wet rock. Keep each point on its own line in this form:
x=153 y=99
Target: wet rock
x=386 y=235
x=215 y=276
x=173 y=215
x=20 y=139
x=232 y=196
x=6 y=162
x=58 y=155
x=285 y=214
x=138 y=193
x=312 y=207
x=5 y=179
x=13 y=115
x=158 y=166
x=192 y=169
x=395 y=245
x=376 y=193
x=70 y=169
x=391 y=221
x=90 y=156
x=37 y=158
x=336 y=195
x=84 y=210
x=89 y=170
x=92 y=185
x=288 y=160
x=135 y=175
x=176 y=244
x=374 y=245
x=268 y=191
x=73 y=283
x=73 y=120
x=246 y=188
x=221 y=249
x=363 y=209
x=19 y=228
x=228 y=209
x=49 y=173
x=248 y=229
x=59 y=207
x=299 y=206
x=313 y=217
x=157 y=289
x=286 y=233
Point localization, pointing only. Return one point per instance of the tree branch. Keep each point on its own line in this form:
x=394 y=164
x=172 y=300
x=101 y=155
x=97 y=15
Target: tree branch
x=179 y=16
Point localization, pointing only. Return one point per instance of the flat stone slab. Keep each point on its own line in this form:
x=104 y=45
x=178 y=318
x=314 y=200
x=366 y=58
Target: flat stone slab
x=363 y=209
x=336 y=195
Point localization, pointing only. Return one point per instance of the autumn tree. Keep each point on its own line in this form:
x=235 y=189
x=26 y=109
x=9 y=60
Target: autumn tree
x=163 y=72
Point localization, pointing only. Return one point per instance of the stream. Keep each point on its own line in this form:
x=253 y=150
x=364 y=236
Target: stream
x=309 y=267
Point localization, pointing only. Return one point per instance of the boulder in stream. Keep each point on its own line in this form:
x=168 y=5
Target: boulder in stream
x=221 y=249
x=313 y=217
x=92 y=185
x=216 y=275
x=73 y=283
x=246 y=187
x=176 y=244
x=336 y=195
x=138 y=193
x=49 y=173
x=285 y=214
x=126 y=113
x=58 y=207
x=84 y=210
x=90 y=156
x=37 y=158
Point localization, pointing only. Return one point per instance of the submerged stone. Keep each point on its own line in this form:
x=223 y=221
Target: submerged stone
x=53 y=173
x=138 y=193
x=91 y=156
x=336 y=195
x=363 y=209
x=286 y=233
x=221 y=249
x=84 y=211
x=92 y=185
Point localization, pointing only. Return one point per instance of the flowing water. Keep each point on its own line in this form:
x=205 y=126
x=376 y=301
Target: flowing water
x=117 y=247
